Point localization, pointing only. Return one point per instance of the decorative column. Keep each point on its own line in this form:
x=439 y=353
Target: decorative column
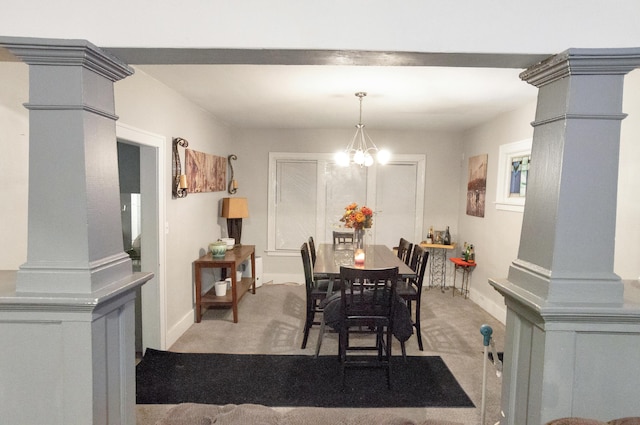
x=571 y=343
x=67 y=321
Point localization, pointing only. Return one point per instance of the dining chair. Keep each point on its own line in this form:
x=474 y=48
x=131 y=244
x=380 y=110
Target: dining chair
x=411 y=289
x=342 y=238
x=367 y=307
x=316 y=291
x=404 y=250
x=313 y=252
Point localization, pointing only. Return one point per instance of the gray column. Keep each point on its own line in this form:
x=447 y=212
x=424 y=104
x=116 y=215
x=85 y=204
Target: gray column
x=568 y=349
x=75 y=241
x=67 y=316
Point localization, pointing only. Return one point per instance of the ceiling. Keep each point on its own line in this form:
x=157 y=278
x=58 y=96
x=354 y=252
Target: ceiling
x=323 y=96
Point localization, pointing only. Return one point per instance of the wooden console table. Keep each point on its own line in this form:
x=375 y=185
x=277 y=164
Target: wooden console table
x=231 y=260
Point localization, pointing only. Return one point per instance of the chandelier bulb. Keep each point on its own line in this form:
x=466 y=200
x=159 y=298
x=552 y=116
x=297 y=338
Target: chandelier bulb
x=383 y=156
x=342 y=158
x=368 y=160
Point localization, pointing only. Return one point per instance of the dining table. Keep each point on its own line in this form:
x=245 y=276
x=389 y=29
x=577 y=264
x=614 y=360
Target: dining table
x=330 y=257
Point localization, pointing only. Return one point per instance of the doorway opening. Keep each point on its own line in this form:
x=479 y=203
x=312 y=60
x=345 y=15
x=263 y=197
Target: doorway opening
x=146 y=151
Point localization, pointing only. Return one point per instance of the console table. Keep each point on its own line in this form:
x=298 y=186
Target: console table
x=231 y=260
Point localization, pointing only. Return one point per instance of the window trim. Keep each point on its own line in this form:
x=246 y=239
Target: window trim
x=505 y=154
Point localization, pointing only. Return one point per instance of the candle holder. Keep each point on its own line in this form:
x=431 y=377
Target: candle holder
x=358 y=257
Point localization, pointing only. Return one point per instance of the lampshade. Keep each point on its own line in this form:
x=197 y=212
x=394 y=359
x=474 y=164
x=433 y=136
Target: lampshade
x=235 y=208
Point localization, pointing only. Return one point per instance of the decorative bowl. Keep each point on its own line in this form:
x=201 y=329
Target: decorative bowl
x=230 y=242
x=218 y=249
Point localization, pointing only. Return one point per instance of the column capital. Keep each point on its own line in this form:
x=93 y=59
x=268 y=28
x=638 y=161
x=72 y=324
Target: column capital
x=582 y=62
x=42 y=51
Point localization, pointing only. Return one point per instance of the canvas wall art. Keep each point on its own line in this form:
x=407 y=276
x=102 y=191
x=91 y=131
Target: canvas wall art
x=205 y=172
x=477 y=185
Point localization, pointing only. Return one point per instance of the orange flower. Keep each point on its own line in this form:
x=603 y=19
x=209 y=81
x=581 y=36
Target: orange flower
x=357 y=218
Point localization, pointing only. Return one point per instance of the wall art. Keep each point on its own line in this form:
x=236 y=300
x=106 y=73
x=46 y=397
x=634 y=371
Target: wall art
x=477 y=185
x=205 y=172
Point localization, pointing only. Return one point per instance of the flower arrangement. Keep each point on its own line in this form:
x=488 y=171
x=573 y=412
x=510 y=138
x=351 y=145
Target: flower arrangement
x=355 y=217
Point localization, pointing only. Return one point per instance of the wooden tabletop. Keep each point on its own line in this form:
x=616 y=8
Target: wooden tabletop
x=329 y=260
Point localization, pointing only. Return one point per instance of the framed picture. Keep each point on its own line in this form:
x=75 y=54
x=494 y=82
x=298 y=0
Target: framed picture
x=477 y=185
x=513 y=172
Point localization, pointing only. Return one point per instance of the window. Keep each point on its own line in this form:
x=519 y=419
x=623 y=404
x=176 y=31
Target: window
x=308 y=193
x=513 y=170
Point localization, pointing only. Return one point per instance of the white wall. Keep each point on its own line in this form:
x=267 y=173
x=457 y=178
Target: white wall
x=14 y=143
x=496 y=236
x=626 y=263
x=503 y=26
x=193 y=221
x=253 y=146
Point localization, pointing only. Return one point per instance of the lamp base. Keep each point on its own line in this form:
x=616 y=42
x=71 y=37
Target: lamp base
x=234 y=229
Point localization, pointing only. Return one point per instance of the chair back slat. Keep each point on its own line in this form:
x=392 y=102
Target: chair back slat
x=342 y=238
x=312 y=251
x=404 y=250
x=419 y=260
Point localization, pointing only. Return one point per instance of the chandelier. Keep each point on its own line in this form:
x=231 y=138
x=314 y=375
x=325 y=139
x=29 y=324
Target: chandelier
x=361 y=150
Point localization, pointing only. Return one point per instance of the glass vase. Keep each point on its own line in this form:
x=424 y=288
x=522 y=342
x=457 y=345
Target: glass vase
x=359 y=239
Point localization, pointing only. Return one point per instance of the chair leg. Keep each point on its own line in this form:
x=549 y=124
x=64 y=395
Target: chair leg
x=418 y=327
x=388 y=358
x=307 y=326
x=342 y=350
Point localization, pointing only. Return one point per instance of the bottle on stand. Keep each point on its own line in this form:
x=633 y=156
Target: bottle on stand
x=472 y=254
x=465 y=252
x=447 y=237
x=430 y=235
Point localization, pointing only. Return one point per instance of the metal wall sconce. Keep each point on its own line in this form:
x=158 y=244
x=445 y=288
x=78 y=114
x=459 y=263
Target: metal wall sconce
x=233 y=184
x=179 y=186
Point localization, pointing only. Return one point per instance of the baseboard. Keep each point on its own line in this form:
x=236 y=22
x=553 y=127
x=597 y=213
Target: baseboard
x=495 y=310
x=180 y=328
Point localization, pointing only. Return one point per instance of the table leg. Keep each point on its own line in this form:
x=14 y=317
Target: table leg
x=198 y=293
x=234 y=295
x=455 y=272
x=253 y=272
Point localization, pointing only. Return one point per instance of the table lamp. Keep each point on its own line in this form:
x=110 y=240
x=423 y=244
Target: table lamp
x=234 y=210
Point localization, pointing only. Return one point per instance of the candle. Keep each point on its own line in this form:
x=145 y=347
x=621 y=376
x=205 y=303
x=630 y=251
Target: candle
x=358 y=257
x=234 y=184
x=183 y=181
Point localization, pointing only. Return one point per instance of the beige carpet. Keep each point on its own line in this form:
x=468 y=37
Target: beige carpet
x=270 y=322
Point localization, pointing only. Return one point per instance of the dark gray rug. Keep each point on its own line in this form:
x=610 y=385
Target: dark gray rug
x=164 y=377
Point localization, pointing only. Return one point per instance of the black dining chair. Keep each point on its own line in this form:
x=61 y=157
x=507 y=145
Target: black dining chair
x=367 y=306
x=316 y=291
x=313 y=252
x=342 y=238
x=404 y=250
x=411 y=289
